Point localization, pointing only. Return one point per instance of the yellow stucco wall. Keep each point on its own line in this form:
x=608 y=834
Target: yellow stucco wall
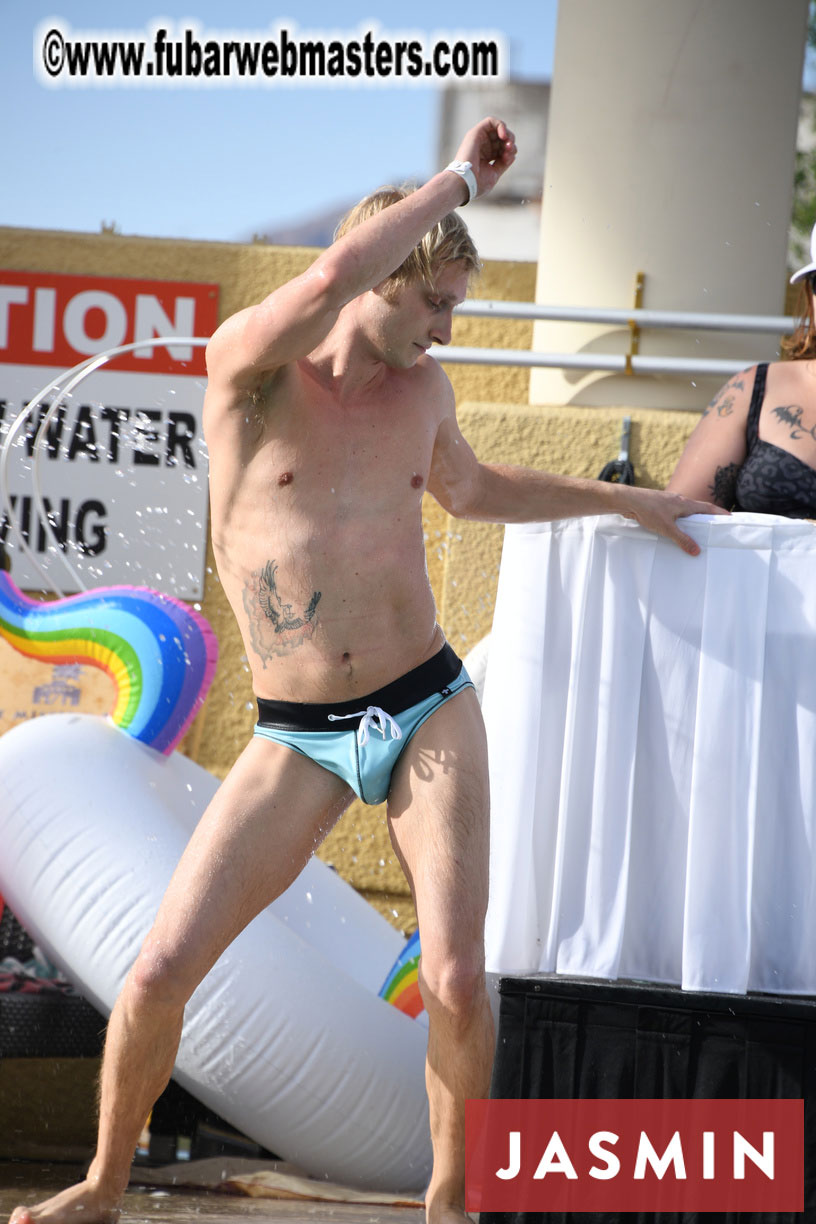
x=463 y=558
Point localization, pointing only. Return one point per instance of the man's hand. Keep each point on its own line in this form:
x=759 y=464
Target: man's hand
x=490 y=147
x=658 y=511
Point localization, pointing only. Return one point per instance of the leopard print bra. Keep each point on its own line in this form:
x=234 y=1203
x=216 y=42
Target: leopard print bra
x=772 y=480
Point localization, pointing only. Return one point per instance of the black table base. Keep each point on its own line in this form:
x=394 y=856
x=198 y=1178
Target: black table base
x=579 y=1038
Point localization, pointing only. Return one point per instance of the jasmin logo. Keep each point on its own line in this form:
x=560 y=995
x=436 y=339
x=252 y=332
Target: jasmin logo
x=635 y=1155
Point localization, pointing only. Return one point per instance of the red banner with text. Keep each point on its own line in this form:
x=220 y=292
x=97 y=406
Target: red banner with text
x=635 y=1155
x=50 y=319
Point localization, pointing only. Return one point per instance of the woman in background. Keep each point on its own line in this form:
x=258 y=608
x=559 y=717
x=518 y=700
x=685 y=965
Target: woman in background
x=754 y=448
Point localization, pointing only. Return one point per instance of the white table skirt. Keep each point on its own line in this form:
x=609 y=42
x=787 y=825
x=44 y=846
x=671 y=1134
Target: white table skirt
x=651 y=725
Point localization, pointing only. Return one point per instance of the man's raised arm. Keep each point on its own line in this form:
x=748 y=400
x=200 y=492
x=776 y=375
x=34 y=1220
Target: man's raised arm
x=293 y=320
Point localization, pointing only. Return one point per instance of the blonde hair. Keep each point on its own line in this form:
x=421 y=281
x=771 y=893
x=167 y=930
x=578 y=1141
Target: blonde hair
x=445 y=243
x=802 y=344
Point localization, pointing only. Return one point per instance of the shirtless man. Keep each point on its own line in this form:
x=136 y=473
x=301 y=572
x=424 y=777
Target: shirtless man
x=326 y=423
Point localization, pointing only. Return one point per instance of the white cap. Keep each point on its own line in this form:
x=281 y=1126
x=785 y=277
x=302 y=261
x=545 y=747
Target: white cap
x=808 y=268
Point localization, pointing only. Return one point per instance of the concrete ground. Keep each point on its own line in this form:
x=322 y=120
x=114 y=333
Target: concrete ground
x=28 y=1181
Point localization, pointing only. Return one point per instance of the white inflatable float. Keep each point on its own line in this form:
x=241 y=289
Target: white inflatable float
x=286 y=1038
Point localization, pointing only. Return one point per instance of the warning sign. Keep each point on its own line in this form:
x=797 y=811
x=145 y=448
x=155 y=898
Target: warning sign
x=120 y=469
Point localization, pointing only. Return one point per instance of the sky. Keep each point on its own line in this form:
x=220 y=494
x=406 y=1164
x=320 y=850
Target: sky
x=220 y=163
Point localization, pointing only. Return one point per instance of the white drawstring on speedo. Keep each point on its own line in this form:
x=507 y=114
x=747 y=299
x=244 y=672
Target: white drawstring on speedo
x=372 y=717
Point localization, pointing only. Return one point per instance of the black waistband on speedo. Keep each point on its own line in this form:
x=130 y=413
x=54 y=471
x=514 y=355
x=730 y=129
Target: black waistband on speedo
x=430 y=677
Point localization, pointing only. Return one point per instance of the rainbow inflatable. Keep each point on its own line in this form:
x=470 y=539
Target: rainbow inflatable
x=160 y=654
x=401 y=987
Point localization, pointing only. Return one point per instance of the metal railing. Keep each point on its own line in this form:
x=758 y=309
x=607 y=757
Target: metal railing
x=624 y=363
x=621 y=363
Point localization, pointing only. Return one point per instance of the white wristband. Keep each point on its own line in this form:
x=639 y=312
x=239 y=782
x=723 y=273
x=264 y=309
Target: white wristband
x=465 y=171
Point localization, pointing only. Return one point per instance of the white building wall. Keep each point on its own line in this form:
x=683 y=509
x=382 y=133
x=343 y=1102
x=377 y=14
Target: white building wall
x=670 y=150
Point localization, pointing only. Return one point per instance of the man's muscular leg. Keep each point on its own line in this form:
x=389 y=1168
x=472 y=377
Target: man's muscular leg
x=255 y=837
x=438 y=814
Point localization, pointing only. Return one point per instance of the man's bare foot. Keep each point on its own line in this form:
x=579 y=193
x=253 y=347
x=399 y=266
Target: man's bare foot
x=439 y=1212
x=446 y=1215
x=83 y=1201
